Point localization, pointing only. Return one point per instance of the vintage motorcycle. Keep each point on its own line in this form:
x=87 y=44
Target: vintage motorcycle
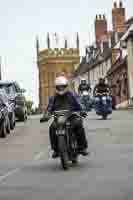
x=103 y=104
x=66 y=140
x=67 y=143
x=86 y=100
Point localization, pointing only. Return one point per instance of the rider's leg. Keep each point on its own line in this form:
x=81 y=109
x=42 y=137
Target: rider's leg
x=78 y=129
x=53 y=139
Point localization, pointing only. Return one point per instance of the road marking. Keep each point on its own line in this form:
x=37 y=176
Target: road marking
x=38 y=156
x=14 y=171
x=10 y=173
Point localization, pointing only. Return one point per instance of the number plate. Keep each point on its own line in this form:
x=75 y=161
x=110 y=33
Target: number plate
x=60 y=132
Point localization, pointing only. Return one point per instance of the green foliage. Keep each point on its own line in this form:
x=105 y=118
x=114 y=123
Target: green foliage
x=29 y=105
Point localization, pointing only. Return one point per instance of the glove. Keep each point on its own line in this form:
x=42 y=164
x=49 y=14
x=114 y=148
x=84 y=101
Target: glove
x=46 y=117
x=83 y=114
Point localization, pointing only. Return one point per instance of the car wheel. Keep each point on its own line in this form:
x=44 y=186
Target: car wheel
x=12 y=121
x=8 y=129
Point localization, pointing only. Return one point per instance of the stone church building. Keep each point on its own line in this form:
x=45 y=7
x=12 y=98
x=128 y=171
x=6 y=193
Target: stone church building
x=51 y=62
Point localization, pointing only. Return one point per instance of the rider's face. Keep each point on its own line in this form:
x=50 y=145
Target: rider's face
x=83 y=82
x=101 y=81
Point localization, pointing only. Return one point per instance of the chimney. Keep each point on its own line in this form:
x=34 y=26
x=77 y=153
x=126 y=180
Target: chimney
x=119 y=18
x=100 y=28
x=115 y=54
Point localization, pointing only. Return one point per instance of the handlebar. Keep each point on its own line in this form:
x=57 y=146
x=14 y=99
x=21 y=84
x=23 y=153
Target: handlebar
x=102 y=94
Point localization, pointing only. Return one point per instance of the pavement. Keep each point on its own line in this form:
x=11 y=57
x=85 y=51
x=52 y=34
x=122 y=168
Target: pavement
x=27 y=171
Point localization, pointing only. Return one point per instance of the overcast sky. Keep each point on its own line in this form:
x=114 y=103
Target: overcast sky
x=22 y=20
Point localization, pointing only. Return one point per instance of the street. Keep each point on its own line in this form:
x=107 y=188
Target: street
x=27 y=171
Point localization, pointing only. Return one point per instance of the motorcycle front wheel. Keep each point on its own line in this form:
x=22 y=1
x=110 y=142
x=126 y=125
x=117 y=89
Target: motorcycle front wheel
x=105 y=117
x=75 y=160
x=63 y=152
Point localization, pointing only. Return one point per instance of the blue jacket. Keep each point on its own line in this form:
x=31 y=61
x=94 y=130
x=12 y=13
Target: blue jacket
x=76 y=106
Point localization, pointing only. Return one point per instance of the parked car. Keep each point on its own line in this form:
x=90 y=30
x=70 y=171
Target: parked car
x=4 y=114
x=3 y=120
x=11 y=112
x=16 y=94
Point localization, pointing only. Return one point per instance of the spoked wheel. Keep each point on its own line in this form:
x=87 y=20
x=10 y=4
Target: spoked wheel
x=63 y=152
x=74 y=150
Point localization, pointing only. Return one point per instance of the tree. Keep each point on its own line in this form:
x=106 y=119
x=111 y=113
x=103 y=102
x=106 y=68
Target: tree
x=29 y=105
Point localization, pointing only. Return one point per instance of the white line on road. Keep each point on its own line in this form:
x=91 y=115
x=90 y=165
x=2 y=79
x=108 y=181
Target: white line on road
x=14 y=171
x=38 y=156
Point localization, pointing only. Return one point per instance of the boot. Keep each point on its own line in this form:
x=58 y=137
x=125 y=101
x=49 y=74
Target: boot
x=55 y=154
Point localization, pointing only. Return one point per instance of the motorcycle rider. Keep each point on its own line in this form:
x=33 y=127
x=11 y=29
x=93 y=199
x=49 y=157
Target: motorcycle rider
x=101 y=87
x=84 y=90
x=84 y=86
x=66 y=100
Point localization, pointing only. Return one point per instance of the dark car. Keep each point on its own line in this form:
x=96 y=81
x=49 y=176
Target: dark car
x=16 y=94
x=4 y=114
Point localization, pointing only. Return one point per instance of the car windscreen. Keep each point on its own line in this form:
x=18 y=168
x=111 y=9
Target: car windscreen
x=8 y=88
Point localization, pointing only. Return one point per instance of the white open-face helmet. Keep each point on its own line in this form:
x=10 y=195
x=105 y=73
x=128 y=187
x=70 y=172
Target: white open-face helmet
x=61 y=84
x=83 y=81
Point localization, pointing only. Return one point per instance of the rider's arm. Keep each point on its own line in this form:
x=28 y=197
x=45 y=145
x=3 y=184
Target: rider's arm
x=77 y=104
x=50 y=107
x=88 y=88
x=79 y=89
x=108 y=89
x=94 y=91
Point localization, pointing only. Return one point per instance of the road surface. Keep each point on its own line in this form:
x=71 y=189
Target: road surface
x=28 y=173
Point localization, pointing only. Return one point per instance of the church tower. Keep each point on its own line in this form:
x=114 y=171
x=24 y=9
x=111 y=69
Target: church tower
x=51 y=62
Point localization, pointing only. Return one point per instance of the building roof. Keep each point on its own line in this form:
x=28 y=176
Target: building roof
x=93 y=62
x=129 y=21
x=117 y=65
